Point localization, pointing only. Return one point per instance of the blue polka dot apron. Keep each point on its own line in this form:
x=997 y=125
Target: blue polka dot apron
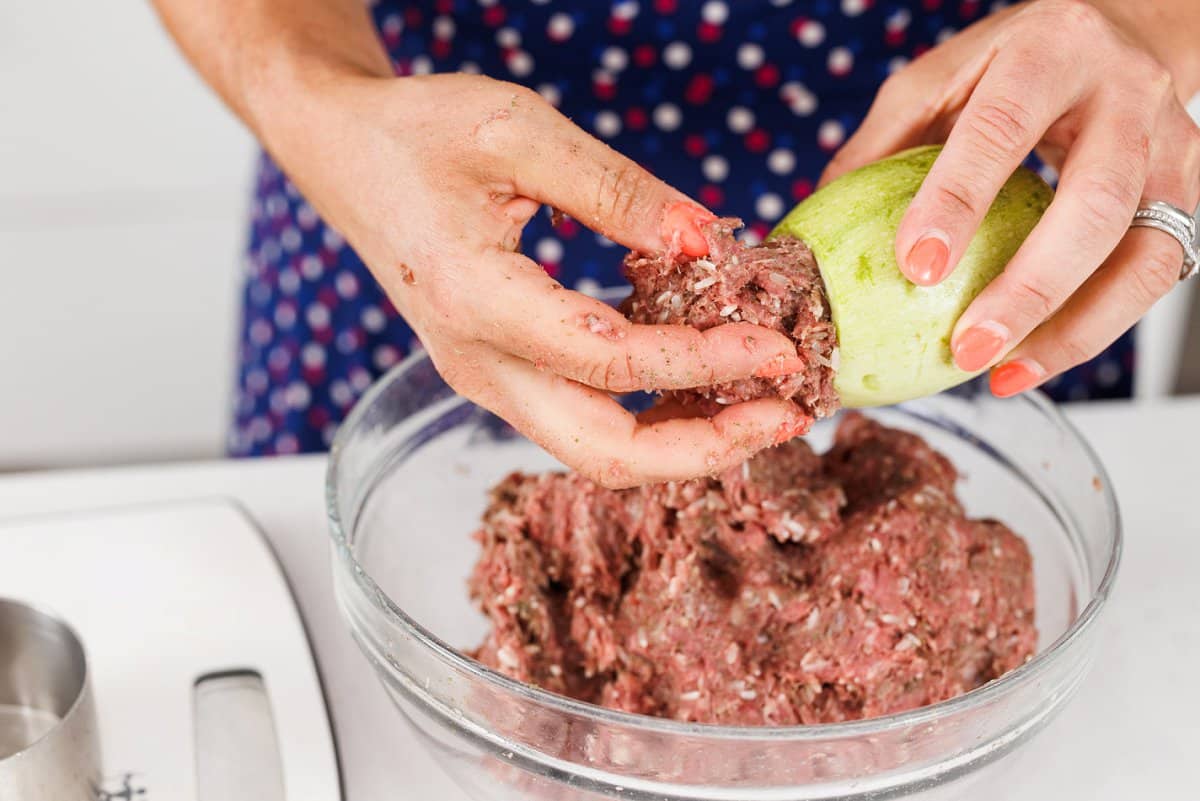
x=738 y=103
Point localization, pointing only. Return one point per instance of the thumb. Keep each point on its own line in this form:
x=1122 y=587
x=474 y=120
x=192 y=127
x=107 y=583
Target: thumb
x=578 y=174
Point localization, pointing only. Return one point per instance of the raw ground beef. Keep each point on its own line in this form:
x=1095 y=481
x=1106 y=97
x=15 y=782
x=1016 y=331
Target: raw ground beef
x=795 y=588
x=776 y=285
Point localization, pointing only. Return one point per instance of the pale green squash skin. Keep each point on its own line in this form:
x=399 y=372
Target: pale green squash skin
x=894 y=336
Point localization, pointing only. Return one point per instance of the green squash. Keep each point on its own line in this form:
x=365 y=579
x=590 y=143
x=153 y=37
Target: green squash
x=894 y=336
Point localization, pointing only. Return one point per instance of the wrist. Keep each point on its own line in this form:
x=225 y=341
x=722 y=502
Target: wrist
x=285 y=87
x=1166 y=30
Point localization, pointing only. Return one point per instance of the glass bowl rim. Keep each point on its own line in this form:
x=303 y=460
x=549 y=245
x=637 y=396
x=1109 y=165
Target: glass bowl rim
x=455 y=659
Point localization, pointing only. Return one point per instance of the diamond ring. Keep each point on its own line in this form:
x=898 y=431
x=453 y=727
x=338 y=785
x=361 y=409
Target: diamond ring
x=1176 y=222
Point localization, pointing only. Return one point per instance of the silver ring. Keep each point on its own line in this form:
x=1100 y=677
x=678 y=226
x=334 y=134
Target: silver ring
x=1176 y=222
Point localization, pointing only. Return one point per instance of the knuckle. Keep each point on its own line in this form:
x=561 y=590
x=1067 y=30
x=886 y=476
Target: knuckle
x=1156 y=276
x=615 y=374
x=1155 y=78
x=620 y=194
x=895 y=87
x=1073 y=350
x=1002 y=125
x=959 y=196
x=1077 y=14
x=1032 y=298
x=1109 y=196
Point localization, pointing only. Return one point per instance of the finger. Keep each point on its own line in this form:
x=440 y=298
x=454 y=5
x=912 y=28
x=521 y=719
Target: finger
x=1011 y=107
x=1144 y=267
x=1101 y=182
x=907 y=107
x=573 y=171
x=590 y=432
x=527 y=313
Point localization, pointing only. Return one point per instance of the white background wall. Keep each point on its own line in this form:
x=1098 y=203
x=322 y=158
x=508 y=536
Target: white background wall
x=123 y=185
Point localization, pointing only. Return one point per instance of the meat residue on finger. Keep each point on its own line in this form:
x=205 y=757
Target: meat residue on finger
x=795 y=588
x=776 y=285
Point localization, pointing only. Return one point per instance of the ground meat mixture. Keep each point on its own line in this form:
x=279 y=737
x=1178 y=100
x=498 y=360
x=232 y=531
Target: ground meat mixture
x=776 y=285
x=795 y=588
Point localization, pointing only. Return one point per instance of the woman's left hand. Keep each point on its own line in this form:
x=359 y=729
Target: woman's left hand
x=1079 y=86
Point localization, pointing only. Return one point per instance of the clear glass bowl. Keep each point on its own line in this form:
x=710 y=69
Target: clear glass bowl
x=407 y=483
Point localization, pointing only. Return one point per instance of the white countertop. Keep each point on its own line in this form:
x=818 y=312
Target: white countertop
x=1133 y=732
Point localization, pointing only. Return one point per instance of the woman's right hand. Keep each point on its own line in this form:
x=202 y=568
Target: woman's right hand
x=432 y=179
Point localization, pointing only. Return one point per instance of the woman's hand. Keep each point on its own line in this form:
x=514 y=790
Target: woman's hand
x=431 y=179
x=1079 y=83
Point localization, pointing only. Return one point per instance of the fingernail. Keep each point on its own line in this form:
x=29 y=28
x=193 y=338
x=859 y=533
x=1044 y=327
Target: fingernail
x=780 y=366
x=684 y=220
x=793 y=427
x=1016 y=377
x=980 y=345
x=929 y=259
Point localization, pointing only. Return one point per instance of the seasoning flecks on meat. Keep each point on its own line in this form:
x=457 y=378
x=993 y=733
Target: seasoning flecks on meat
x=795 y=588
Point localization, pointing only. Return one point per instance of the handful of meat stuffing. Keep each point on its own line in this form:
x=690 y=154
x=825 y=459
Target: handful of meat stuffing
x=794 y=588
x=775 y=285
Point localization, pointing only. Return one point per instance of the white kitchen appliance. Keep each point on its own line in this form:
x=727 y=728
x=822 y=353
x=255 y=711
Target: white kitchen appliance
x=204 y=682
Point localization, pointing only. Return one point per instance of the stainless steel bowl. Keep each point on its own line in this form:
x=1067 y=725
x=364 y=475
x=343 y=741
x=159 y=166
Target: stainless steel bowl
x=49 y=745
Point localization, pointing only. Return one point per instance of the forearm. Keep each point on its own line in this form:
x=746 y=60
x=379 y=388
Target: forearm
x=264 y=55
x=1169 y=29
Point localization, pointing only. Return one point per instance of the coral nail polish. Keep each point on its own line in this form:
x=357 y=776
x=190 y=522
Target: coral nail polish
x=790 y=429
x=1015 y=377
x=683 y=220
x=980 y=345
x=929 y=259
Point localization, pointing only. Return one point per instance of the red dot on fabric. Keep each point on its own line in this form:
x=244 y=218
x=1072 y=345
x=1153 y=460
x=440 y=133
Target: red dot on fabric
x=323 y=335
x=618 y=26
x=920 y=50
x=636 y=118
x=757 y=141
x=644 y=56
x=328 y=296
x=439 y=48
x=761 y=230
x=313 y=375
x=894 y=37
x=797 y=26
x=707 y=32
x=493 y=16
x=767 y=76
x=412 y=17
x=604 y=90
x=445 y=6
x=699 y=89
x=931 y=5
x=968 y=8
x=801 y=188
x=711 y=196
x=318 y=416
x=328 y=257
x=694 y=145
x=665 y=6
x=567 y=228
x=551 y=269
